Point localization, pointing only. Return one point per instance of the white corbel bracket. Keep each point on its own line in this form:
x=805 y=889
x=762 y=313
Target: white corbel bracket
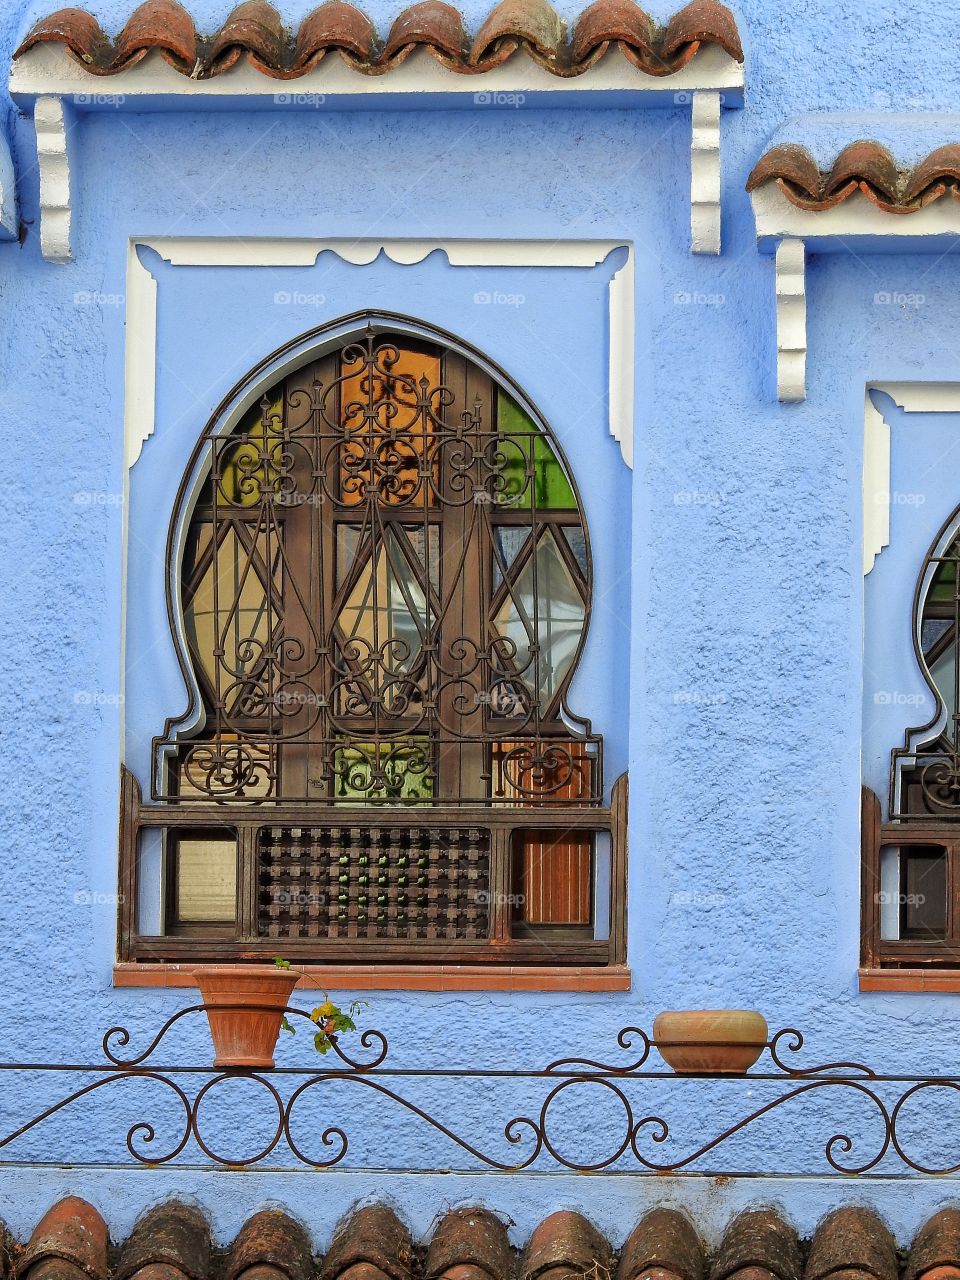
x=57 y=84
x=791 y=321
x=705 y=173
x=51 y=119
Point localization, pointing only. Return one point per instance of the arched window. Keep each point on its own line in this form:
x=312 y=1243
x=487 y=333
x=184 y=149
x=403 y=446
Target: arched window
x=380 y=581
x=912 y=862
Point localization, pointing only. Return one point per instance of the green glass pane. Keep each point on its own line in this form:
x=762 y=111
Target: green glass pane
x=384 y=773
x=944 y=585
x=531 y=469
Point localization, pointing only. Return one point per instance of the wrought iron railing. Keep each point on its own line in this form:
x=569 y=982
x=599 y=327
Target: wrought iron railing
x=541 y=1136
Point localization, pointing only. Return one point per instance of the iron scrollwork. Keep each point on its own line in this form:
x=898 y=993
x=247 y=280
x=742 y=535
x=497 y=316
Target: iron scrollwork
x=538 y=1137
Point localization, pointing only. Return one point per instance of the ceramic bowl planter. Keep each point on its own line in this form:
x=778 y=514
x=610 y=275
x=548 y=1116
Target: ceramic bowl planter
x=245 y=1005
x=710 y=1041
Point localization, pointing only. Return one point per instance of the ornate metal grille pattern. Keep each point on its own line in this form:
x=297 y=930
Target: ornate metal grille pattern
x=386 y=586
x=374 y=882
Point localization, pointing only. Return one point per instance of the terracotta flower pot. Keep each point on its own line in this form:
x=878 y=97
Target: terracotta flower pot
x=710 y=1041
x=245 y=1007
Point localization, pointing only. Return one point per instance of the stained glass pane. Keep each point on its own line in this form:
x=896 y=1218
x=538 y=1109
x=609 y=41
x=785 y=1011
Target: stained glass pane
x=384 y=620
x=249 y=465
x=232 y=586
x=388 y=772
x=508 y=539
x=576 y=540
x=544 y=604
x=532 y=469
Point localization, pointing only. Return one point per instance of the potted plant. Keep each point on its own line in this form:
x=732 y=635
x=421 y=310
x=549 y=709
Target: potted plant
x=710 y=1041
x=246 y=1008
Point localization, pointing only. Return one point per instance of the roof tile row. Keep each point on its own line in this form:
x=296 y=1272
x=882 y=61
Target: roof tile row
x=254 y=31
x=862 y=166
x=172 y=1242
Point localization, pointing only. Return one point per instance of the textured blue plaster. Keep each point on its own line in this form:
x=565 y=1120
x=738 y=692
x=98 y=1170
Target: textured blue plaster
x=740 y=710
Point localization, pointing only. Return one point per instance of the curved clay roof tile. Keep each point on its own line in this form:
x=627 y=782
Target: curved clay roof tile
x=533 y=23
x=271 y=1239
x=925 y=183
x=701 y=20
x=608 y=20
x=255 y=28
x=937 y=1243
x=72 y=1231
x=163 y=25
x=852 y=1239
x=373 y=1238
x=566 y=1245
x=172 y=1234
x=794 y=168
x=870 y=166
x=470 y=1238
x=758 y=1239
x=78 y=31
x=334 y=25
x=432 y=23
x=663 y=1240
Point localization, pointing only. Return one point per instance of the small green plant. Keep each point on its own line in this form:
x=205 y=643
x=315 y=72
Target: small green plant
x=329 y=1018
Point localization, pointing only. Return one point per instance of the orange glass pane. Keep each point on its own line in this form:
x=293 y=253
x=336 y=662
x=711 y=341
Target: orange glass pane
x=385 y=434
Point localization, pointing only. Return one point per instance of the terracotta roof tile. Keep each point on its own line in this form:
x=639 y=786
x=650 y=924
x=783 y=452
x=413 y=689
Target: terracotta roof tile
x=533 y=24
x=273 y=1240
x=372 y=1244
x=861 y=166
x=173 y=1236
x=71 y=1232
x=937 y=1245
x=469 y=1244
x=665 y=1241
x=436 y=26
x=852 y=1241
x=566 y=1245
x=758 y=1241
x=255 y=31
x=253 y=28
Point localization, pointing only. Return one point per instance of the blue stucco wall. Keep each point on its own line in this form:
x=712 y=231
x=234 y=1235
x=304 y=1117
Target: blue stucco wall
x=733 y=676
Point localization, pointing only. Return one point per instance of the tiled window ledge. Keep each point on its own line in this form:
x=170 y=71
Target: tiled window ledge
x=946 y=980
x=360 y=977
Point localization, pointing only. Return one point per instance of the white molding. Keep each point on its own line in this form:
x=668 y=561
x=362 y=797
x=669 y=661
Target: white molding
x=622 y=303
x=9 y=216
x=705 y=173
x=912 y=397
x=876 y=482
x=791 y=321
x=152 y=84
x=855 y=223
x=140 y=354
x=50 y=121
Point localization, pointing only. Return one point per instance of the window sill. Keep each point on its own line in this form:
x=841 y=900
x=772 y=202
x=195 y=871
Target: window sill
x=360 y=977
x=947 y=980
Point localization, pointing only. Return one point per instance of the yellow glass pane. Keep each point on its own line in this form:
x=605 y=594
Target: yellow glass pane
x=206 y=879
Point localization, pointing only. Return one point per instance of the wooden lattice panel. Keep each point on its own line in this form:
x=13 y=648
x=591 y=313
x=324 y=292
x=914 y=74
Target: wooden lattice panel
x=374 y=882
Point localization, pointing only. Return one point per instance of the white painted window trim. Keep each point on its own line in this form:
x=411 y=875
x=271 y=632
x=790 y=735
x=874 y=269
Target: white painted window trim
x=912 y=397
x=211 y=251
x=59 y=88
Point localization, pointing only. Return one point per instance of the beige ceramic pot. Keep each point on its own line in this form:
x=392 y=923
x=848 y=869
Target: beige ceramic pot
x=710 y=1041
x=245 y=1007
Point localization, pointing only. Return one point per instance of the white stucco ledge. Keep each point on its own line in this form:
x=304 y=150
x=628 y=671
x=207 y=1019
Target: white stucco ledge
x=47 y=74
